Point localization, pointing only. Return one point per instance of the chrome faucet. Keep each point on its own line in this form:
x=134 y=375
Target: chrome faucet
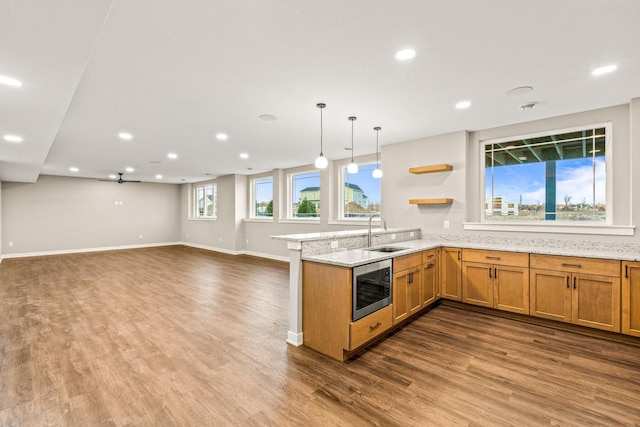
x=384 y=224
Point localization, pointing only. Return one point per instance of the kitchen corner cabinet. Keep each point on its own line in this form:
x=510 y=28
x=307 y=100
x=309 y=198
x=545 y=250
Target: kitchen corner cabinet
x=496 y=279
x=406 y=286
x=582 y=291
x=451 y=273
x=326 y=312
x=631 y=298
x=430 y=277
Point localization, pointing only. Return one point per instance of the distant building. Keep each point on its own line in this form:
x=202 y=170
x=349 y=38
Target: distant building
x=353 y=193
x=500 y=207
x=312 y=194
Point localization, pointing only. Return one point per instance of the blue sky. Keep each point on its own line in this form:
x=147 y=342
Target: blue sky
x=574 y=178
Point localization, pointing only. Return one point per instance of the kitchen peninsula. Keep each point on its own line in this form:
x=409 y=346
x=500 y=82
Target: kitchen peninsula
x=589 y=284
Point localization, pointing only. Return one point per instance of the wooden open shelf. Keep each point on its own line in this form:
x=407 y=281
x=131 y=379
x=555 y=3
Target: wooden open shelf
x=431 y=169
x=440 y=201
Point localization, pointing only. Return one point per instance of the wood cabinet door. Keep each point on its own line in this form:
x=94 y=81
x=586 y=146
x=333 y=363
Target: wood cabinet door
x=451 y=273
x=511 y=289
x=596 y=301
x=400 y=296
x=631 y=298
x=429 y=285
x=438 y=276
x=477 y=284
x=550 y=295
x=414 y=288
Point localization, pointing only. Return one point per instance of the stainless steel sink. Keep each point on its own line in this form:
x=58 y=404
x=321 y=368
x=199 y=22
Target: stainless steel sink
x=386 y=249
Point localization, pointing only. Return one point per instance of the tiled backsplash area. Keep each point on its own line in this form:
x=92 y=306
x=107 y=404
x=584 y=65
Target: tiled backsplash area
x=344 y=243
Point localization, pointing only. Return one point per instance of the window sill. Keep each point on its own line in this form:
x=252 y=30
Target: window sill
x=268 y=220
x=299 y=221
x=353 y=222
x=565 y=228
x=203 y=219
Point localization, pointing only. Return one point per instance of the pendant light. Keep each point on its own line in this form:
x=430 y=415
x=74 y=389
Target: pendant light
x=321 y=161
x=377 y=172
x=352 y=168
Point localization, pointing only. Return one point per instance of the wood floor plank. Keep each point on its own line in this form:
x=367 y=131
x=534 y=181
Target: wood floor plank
x=181 y=336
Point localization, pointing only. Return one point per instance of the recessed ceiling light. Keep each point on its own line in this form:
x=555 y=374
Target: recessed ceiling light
x=528 y=106
x=112 y=176
x=268 y=117
x=12 y=138
x=74 y=169
x=10 y=81
x=463 y=104
x=604 y=70
x=244 y=156
x=222 y=136
x=172 y=155
x=405 y=54
x=126 y=136
x=521 y=90
x=158 y=176
x=129 y=169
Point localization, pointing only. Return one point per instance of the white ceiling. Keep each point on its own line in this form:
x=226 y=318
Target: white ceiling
x=175 y=73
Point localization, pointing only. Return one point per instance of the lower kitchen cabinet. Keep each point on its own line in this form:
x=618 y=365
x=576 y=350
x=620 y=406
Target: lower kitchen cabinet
x=582 y=291
x=631 y=298
x=451 y=273
x=369 y=327
x=496 y=279
x=430 y=276
x=406 y=286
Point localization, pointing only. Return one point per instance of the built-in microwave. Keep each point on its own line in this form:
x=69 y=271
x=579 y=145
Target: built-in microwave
x=371 y=288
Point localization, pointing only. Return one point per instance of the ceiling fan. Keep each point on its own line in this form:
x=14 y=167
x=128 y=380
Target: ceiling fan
x=119 y=180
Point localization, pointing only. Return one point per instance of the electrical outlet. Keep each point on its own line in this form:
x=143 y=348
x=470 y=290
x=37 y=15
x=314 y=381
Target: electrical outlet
x=334 y=244
x=412 y=234
x=247 y=241
x=221 y=239
x=187 y=235
x=446 y=224
x=393 y=237
x=10 y=244
x=140 y=236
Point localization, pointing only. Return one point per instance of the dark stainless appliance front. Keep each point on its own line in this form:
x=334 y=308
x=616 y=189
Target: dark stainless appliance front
x=371 y=288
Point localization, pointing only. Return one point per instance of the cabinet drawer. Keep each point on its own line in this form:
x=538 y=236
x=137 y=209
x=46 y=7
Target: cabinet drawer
x=429 y=256
x=370 y=327
x=516 y=259
x=601 y=267
x=407 y=261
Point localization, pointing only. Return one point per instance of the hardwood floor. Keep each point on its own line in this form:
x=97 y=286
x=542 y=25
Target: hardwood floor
x=181 y=336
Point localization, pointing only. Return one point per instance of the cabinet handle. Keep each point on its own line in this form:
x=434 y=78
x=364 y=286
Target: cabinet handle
x=568 y=285
x=564 y=264
x=574 y=283
x=374 y=327
x=489 y=272
x=458 y=255
x=430 y=256
x=410 y=277
x=493 y=257
x=495 y=273
x=430 y=265
x=626 y=271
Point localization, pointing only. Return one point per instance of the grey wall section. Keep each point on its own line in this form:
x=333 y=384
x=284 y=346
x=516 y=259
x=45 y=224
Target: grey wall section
x=398 y=185
x=0 y=221
x=61 y=213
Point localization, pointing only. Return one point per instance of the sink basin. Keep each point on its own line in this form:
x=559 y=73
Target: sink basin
x=386 y=249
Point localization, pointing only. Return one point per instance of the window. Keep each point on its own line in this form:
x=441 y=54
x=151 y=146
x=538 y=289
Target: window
x=262 y=197
x=360 y=196
x=205 y=201
x=304 y=196
x=558 y=176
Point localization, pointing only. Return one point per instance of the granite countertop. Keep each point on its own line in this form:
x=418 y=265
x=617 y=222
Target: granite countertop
x=355 y=257
x=331 y=235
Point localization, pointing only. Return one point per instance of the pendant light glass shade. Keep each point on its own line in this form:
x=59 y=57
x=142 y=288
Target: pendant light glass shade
x=377 y=172
x=321 y=161
x=352 y=168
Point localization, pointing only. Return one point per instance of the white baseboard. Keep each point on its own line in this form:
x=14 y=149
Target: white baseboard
x=269 y=256
x=77 y=251
x=231 y=252
x=294 y=339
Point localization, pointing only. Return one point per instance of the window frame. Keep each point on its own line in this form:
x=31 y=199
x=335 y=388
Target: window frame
x=341 y=185
x=252 y=197
x=553 y=223
x=289 y=197
x=193 y=195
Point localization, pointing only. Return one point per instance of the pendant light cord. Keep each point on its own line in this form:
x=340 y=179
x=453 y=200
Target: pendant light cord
x=321 y=132
x=377 y=157
x=352 y=141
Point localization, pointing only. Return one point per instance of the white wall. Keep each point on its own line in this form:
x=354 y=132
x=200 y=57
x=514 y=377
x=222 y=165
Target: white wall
x=61 y=213
x=398 y=185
